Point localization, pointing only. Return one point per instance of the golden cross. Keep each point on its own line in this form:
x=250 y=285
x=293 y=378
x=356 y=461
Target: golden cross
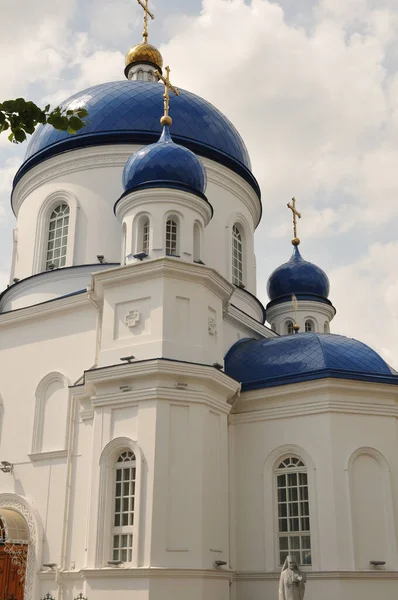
x=292 y=206
x=166 y=120
x=144 y=4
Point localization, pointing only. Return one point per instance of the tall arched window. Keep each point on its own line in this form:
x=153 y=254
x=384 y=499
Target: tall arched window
x=326 y=328
x=294 y=536
x=309 y=326
x=289 y=327
x=171 y=237
x=140 y=75
x=57 y=243
x=143 y=235
x=123 y=514
x=237 y=255
x=196 y=242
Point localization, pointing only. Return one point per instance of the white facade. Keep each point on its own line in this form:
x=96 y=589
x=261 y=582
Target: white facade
x=115 y=355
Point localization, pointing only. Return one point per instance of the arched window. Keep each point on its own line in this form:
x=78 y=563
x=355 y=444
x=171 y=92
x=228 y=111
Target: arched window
x=196 y=242
x=57 y=237
x=237 y=255
x=123 y=514
x=150 y=76
x=309 y=326
x=326 y=328
x=171 y=237
x=140 y=75
x=144 y=233
x=294 y=535
x=289 y=327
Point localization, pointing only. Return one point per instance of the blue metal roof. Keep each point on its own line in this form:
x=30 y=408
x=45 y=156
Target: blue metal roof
x=123 y=112
x=303 y=357
x=164 y=163
x=298 y=276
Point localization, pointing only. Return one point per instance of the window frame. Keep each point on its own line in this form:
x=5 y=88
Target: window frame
x=123 y=529
x=311 y=323
x=172 y=218
x=238 y=281
x=63 y=215
x=289 y=325
x=105 y=507
x=299 y=533
x=42 y=229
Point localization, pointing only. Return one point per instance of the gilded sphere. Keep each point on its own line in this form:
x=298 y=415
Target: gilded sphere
x=295 y=241
x=144 y=53
x=166 y=120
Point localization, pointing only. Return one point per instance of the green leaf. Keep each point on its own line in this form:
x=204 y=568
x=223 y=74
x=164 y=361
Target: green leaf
x=20 y=135
x=76 y=123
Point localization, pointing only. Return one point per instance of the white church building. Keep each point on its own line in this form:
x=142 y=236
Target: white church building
x=158 y=439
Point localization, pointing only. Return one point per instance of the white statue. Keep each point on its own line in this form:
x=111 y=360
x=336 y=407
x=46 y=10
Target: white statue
x=292 y=581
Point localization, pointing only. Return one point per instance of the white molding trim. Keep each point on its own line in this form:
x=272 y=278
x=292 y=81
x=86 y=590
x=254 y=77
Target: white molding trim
x=116 y=156
x=51 y=455
x=24 y=508
x=163 y=196
x=107 y=462
x=49 y=203
x=155 y=573
x=312 y=575
x=44 y=309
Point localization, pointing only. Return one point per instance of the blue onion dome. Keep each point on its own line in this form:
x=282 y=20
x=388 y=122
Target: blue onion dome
x=303 y=357
x=127 y=112
x=299 y=277
x=165 y=164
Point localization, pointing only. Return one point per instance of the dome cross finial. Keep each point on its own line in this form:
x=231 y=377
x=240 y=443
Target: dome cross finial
x=296 y=214
x=166 y=119
x=147 y=12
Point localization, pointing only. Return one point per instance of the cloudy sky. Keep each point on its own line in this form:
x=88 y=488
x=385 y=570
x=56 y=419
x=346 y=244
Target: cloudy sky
x=311 y=85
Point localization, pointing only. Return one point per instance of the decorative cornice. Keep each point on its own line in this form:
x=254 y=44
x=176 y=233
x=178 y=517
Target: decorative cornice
x=311 y=575
x=162 y=267
x=316 y=397
x=163 y=195
x=235 y=315
x=93 y=157
x=276 y=310
x=156 y=573
x=216 y=389
x=48 y=308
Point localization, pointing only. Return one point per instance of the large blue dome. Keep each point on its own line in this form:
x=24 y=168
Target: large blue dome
x=302 y=357
x=123 y=112
x=299 y=277
x=164 y=163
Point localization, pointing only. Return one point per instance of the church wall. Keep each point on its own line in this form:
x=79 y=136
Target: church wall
x=93 y=177
x=30 y=350
x=327 y=441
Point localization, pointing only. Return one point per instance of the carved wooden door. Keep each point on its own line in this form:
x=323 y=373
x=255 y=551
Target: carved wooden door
x=11 y=586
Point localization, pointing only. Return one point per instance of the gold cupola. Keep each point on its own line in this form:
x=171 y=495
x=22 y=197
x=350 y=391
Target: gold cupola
x=144 y=53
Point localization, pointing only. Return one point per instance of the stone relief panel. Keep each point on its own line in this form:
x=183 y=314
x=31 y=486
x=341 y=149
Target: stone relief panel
x=132 y=318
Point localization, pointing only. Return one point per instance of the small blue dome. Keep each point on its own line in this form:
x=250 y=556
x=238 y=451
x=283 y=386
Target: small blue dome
x=164 y=163
x=127 y=112
x=303 y=357
x=299 y=277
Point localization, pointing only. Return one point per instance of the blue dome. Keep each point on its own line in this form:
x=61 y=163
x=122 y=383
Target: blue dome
x=164 y=163
x=123 y=112
x=303 y=357
x=299 y=277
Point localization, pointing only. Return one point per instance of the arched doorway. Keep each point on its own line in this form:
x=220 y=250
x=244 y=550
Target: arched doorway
x=14 y=547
